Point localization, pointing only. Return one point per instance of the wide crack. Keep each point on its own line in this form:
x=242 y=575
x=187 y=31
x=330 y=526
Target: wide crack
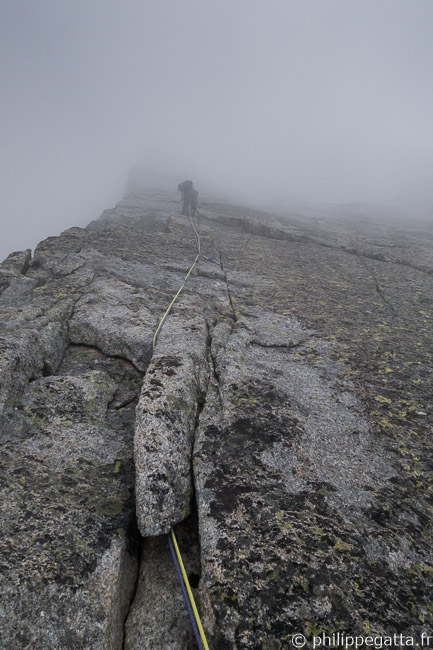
x=157 y=616
x=150 y=585
x=157 y=593
x=214 y=374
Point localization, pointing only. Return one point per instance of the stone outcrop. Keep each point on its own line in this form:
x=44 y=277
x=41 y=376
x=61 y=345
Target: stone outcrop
x=281 y=423
x=167 y=413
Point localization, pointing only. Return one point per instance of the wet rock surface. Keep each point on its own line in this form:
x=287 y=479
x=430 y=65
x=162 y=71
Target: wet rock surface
x=286 y=404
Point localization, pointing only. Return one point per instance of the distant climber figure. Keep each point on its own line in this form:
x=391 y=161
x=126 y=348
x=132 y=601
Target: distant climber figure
x=189 y=197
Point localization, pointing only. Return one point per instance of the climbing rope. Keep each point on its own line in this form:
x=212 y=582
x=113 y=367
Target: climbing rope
x=187 y=593
x=174 y=548
x=197 y=257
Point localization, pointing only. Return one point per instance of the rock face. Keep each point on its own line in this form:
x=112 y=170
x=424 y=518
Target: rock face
x=282 y=424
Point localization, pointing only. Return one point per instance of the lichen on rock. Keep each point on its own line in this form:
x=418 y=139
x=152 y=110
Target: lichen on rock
x=282 y=424
x=175 y=384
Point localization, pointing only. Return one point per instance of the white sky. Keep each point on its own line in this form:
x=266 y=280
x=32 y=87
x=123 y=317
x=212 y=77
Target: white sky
x=313 y=100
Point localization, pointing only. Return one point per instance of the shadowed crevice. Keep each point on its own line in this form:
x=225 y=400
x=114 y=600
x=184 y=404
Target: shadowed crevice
x=108 y=356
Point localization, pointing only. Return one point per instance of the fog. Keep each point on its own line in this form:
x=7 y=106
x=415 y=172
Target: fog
x=273 y=102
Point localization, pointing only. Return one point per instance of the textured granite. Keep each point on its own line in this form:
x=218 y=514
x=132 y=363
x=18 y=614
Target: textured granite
x=286 y=405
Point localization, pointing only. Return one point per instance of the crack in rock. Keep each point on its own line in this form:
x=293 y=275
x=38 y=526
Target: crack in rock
x=167 y=413
x=377 y=286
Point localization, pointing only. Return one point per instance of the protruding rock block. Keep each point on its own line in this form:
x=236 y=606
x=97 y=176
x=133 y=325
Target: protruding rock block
x=172 y=392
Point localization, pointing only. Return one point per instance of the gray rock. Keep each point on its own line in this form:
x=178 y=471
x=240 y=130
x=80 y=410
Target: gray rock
x=14 y=265
x=282 y=402
x=113 y=317
x=58 y=616
x=17 y=262
x=158 y=617
x=174 y=386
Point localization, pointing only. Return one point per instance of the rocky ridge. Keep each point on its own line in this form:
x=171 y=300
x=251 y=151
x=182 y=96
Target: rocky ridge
x=282 y=424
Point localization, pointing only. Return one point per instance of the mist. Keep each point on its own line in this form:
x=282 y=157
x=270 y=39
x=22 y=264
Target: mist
x=275 y=102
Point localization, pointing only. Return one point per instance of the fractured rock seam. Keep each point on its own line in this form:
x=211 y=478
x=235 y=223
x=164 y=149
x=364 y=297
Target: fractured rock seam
x=151 y=588
x=281 y=346
x=282 y=235
x=228 y=287
x=109 y=356
x=215 y=373
x=377 y=286
x=169 y=405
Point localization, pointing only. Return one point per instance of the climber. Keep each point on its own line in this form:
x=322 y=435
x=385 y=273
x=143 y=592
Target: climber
x=189 y=197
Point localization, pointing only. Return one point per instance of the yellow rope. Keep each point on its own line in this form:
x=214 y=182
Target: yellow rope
x=161 y=323
x=158 y=329
x=173 y=537
x=190 y=594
